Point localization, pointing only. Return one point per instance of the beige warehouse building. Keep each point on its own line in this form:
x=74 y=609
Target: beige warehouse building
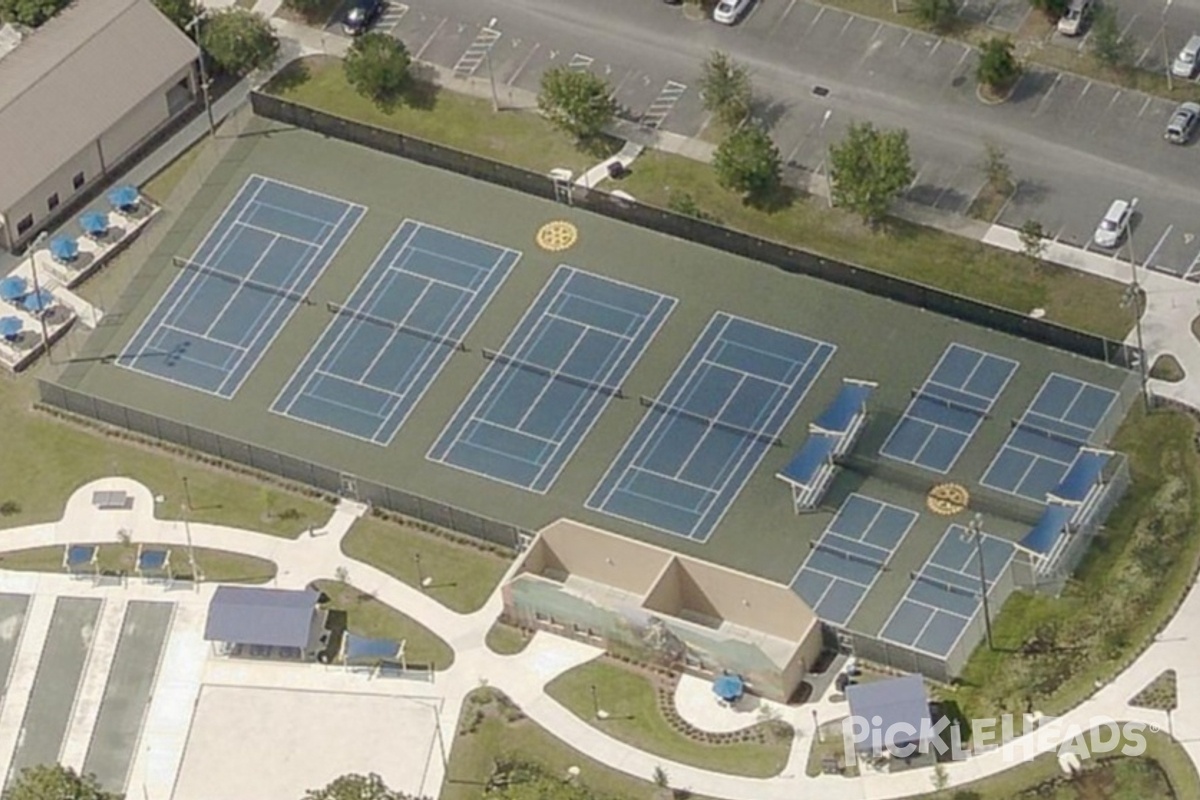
x=78 y=96
x=662 y=607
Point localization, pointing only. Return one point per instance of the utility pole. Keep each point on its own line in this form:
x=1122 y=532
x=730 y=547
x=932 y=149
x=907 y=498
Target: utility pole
x=1133 y=297
x=39 y=310
x=975 y=534
x=194 y=28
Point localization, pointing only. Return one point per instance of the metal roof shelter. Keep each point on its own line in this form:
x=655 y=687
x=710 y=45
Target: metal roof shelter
x=1083 y=476
x=266 y=617
x=897 y=702
x=74 y=78
x=811 y=470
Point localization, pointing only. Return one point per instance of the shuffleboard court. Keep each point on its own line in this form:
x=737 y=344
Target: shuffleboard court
x=944 y=414
x=945 y=594
x=127 y=693
x=848 y=557
x=384 y=348
x=1044 y=442
x=546 y=387
x=703 y=437
x=237 y=291
x=55 y=683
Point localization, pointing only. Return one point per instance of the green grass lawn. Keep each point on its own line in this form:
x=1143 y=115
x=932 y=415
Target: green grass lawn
x=366 y=616
x=49 y=459
x=217 y=566
x=504 y=733
x=1126 y=588
x=633 y=717
x=458 y=121
x=506 y=640
x=159 y=187
x=924 y=255
x=461 y=576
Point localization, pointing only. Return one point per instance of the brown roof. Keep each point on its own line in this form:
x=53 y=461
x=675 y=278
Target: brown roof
x=73 y=78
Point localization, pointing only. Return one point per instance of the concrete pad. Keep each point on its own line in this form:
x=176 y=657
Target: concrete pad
x=12 y=619
x=248 y=744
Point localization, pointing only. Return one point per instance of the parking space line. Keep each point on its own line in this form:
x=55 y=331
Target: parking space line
x=963 y=57
x=903 y=41
x=661 y=106
x=579 y=62
x=1114 y=99
x=421 y=50
x=1145 y=105
x=525 y=61
x=846 y=27
x=816 y=19
x=1154 y=252
x=1128 y=25
x=1042 y=103
x=1083 y=94
x=1192 y=270
x=936 y=44
x=779 y=24
x=476 y=52
x=390 y=18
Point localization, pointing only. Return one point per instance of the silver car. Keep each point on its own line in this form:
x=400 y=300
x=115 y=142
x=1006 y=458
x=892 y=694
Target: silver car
x=1183 y=123
x=1112 y=228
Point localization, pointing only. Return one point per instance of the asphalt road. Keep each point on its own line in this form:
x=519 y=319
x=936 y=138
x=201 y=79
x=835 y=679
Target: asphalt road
x=1074 y=145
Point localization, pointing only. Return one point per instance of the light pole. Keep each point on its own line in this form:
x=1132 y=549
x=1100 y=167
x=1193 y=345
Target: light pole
x=37 y=293
x=187 y=532
x=487 y=56
x=1166 y=48
x=975 y=534
x=1133 y=297
x=194 y=28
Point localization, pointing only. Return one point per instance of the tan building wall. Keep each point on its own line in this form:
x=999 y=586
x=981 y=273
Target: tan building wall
x=94 y=161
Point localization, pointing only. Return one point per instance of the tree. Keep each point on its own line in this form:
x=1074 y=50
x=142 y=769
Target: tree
x=54 y=782
x=996 y=169
x=1033 y=239
x=577 y=101
x=1108 y=46
x=181 y=12
x=238 y=40
x=377 y=66
x=869 y=169
x=941 y=780
x=725 y=87
x=937 y=14
x=1051 y=9
x=998 y=68
x=355 y=787
x=30 y=12
x=748 y=161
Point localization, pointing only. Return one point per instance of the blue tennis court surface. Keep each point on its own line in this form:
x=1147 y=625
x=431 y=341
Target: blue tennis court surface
x=404 y=319
x=1043 y=444
x=849 y=556
x=700 y=441
x=240 y=287
x=945 y=412
x=945 y=594
x=539 y=396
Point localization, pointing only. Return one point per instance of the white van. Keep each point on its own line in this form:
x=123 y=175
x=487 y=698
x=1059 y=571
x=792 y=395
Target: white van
x=1185 y=62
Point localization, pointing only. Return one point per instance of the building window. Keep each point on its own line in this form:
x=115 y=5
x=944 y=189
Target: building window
x=52 y=201
x=25 y=224
x=77 y=181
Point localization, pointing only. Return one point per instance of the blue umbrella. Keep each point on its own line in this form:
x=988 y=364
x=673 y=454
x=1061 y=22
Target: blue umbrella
x=94 y=223
x=38 y=301
x=123 y=196
x=729 y=687
x=64 y=248
x=10 y=327
x=13 y=288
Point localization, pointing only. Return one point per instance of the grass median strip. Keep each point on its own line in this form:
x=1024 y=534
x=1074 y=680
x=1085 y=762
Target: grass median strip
x=217 y=566
x=630 y=701
x=952 y=263
x=458 y=574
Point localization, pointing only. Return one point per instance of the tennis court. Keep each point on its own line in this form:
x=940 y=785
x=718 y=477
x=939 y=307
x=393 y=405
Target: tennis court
x=241 y=285
x=544 y=390
x=381 y=350
x=700 y=441
x=849 y=556
x=1043 y=444
x=944 y=595
x=944 y=414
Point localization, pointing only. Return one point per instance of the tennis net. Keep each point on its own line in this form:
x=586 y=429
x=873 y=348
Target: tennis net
x=241 y=280
x=946 y=402
x=666 y=408
x=946 y=585
x=1054 y=436
x=371 y=319
x=547 y=372
x=834 y=550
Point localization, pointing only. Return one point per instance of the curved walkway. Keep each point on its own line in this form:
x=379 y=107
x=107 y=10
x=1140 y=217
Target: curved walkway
x=319 y=555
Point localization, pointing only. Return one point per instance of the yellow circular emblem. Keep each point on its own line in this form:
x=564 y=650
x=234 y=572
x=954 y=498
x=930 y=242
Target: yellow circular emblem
x=948 y=499
x=557 y=236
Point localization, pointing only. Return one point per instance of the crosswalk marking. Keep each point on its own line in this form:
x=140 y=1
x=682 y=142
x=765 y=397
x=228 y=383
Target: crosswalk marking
x=391 y=16
x=476 y=52
x=656 y=113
